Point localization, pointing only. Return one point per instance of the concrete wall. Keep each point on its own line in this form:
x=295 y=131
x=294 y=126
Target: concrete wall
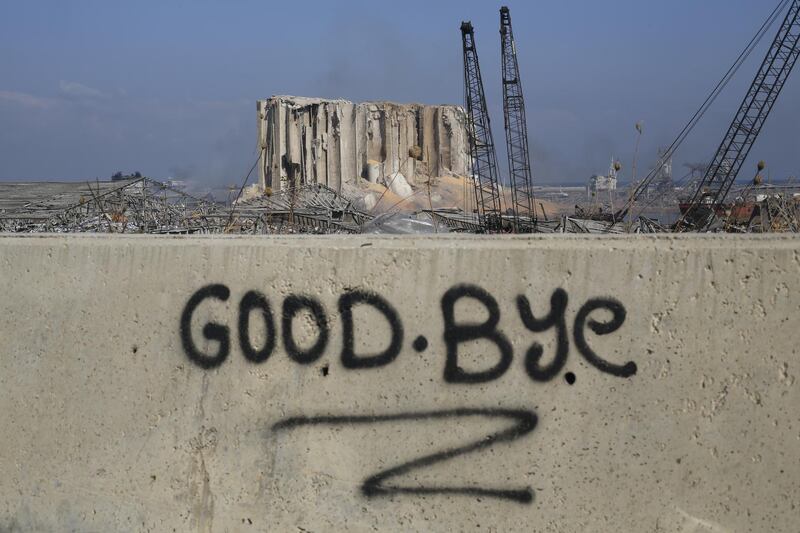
x=665 y=398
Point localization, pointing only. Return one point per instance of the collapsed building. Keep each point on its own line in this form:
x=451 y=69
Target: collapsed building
x=336 y=142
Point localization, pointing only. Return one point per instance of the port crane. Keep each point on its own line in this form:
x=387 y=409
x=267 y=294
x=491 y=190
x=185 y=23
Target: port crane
x=519 y=163
x=482 y=152
x=708 y=199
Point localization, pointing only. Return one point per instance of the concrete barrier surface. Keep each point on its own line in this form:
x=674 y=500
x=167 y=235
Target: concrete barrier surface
x=559 y=384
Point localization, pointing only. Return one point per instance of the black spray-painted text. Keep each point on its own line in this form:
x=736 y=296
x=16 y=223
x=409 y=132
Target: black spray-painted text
x=457 y=331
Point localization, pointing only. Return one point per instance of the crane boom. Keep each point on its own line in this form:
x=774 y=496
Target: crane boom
x=516 y=125
x=481 y=146
x=746 y=125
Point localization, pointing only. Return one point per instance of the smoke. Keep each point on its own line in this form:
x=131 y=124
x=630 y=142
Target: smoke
x=183 y=172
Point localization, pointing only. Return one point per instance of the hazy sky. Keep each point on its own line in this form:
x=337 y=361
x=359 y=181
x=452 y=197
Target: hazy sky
x=169 y=87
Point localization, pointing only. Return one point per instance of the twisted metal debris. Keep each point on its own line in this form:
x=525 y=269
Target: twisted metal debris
x=304 y=209
x=144 y=205
x=140 y=205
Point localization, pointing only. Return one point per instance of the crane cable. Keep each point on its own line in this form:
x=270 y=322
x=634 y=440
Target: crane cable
x=687 y=129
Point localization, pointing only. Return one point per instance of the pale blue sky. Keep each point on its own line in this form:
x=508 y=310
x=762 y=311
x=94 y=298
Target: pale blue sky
x=169 y=87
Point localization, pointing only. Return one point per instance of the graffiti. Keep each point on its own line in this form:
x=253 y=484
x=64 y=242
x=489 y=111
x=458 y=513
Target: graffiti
x=376 y=485
x=618 y=310
x=458 y=329
x=211 y=331
x=292 y=306
x=256 y=306
x=349 y=357
x=251 y=301
x=554 y=319
x=457 y=333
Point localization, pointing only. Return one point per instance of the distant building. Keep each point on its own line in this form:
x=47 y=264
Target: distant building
x=598 y=183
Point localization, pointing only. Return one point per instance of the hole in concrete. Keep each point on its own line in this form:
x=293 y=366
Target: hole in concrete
x=135 y=348
x=570 y=378
x=325 y=370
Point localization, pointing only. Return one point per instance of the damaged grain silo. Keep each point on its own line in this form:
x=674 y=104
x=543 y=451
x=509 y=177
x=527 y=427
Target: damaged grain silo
x=336 y=142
